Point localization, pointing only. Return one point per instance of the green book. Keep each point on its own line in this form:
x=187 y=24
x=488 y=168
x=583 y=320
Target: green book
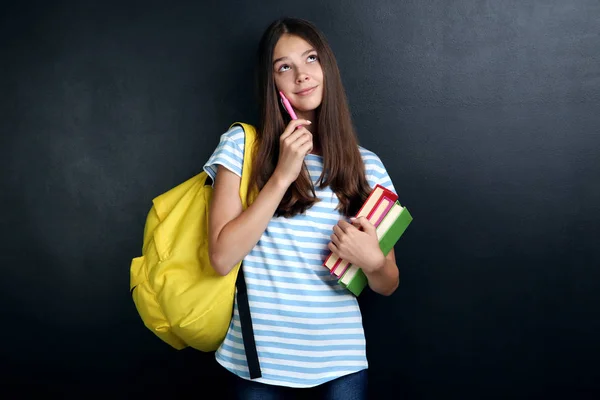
x=389 y=231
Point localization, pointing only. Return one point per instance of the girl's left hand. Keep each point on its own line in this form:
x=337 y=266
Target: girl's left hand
x=359 y=247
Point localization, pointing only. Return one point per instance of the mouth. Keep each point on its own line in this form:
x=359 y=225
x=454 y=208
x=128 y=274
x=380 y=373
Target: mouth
x=306 y=92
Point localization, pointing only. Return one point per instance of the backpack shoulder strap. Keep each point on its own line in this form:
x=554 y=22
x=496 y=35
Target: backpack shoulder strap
x=242 y=293
x=249 y=141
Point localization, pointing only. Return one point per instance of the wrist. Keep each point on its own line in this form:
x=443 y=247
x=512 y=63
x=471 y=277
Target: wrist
x=279 y=182
x=379 y=264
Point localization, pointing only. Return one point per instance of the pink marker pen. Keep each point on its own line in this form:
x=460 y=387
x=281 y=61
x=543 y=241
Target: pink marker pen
x=290 y=110
x=287 y=105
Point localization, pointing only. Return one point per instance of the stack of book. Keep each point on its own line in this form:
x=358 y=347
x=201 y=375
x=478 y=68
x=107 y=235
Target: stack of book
x=390 y=218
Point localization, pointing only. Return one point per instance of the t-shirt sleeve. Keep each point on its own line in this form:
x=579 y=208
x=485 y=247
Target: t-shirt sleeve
x=376 y=171
x=229 y=153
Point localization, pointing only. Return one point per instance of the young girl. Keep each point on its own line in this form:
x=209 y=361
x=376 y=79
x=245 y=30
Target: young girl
x=308 y=329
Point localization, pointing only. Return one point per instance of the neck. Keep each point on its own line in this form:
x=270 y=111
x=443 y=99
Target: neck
x=309 y=115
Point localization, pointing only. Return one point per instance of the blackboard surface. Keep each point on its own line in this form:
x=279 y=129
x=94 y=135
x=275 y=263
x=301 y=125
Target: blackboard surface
x=485 y=113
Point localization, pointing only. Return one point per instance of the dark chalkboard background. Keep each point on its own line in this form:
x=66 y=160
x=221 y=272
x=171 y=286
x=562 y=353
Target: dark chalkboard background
x=486 y=114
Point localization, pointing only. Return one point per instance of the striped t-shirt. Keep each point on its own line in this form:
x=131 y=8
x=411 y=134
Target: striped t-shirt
x=308 y=329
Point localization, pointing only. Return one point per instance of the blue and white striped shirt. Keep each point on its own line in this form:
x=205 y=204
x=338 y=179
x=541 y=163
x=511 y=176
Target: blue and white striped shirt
x=308 y=329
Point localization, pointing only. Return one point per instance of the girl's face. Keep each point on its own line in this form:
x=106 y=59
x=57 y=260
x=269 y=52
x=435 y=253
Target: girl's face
x=298 y=74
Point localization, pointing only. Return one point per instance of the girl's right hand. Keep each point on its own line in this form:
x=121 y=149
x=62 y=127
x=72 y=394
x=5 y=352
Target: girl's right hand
x=294 y=145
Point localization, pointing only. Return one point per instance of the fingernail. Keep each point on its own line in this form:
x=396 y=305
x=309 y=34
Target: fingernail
x=308 y=121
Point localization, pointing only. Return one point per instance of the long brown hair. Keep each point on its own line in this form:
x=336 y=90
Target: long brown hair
x=344 y=170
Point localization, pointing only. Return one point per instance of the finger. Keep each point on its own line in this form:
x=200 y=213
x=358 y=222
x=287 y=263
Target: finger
x=303 y=144
x=365 y=224
x=291 y=127
x=333 y=248
x=355 y=223
x=335 y=239
x=301 y=123
x=299 y=137
x=344 y=226
x=337 y=230
x=299 y=132
x=306 y=148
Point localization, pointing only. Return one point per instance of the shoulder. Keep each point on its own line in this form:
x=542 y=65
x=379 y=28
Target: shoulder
x=229 y=152
x=236 y=135
x=371 y=160
x=375 y=171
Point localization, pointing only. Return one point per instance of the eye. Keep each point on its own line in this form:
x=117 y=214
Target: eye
x=313 y=58
x=283 y=68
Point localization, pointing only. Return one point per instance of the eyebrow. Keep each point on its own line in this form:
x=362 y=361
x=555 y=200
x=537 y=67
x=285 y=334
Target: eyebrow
x=303 y=54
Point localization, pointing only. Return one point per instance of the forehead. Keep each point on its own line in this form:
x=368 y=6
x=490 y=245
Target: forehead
x=289 y=46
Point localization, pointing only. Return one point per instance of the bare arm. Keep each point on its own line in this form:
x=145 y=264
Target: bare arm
x=361 y=247
x=232 y=231
x=384 y=280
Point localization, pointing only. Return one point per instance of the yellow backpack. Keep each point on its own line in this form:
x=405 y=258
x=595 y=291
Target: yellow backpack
x=176 y=291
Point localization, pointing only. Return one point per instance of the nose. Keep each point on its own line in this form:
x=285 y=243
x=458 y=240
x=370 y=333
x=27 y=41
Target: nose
x=302 y=77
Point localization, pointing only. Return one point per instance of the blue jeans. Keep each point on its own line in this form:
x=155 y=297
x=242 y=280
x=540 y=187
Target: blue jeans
x=348 y=387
